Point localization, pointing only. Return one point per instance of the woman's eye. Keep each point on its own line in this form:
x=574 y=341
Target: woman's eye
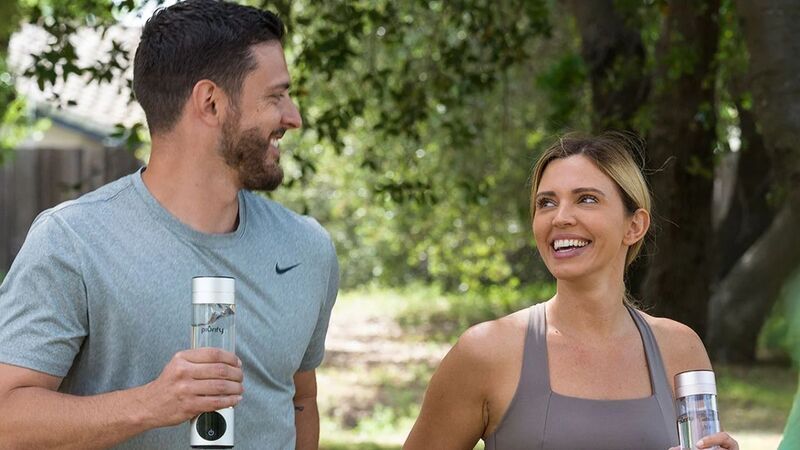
x=588 y=199
x=544 y=202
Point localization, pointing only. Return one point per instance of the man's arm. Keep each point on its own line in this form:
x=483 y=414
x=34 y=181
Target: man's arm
x=36 y=416
x=306 y=414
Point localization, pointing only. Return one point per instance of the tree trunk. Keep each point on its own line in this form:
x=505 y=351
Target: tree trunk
x=749 y=214
x=680 y=149
x=615 y=57
x=744 y=297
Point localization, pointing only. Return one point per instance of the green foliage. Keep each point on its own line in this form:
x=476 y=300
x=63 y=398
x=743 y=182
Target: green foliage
x=416 y=146
x=422 y=120
x=14 y=126
x=62 y=19
x=445 y=316
x=563 y=82
x=780 y=336
x=391 y=94
x=12 y=118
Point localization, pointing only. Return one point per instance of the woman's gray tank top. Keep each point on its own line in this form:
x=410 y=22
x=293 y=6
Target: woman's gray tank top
x=538 y=418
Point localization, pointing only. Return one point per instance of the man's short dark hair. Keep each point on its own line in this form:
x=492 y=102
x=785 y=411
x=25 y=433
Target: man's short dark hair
x=192 y=41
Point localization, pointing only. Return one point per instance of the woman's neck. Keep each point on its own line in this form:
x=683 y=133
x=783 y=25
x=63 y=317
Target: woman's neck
x=589 y=310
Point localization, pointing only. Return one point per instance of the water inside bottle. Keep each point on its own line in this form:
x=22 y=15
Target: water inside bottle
x=213 y=326
x=696 y=425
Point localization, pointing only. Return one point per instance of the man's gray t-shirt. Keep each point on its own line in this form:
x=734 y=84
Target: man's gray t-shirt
x=100 y=294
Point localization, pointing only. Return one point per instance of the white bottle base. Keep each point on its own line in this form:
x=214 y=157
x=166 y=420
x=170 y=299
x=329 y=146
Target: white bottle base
x=212 y=429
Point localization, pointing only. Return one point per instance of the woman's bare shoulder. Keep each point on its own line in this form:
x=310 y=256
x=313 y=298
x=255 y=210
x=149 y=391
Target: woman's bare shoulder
x=495 y=339
x=681 y=348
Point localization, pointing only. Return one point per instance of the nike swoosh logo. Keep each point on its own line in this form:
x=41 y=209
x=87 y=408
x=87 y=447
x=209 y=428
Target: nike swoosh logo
x=282 y=270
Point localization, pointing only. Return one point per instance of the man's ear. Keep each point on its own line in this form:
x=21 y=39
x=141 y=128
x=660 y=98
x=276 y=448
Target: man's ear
x=637 y=228
x=208 y=103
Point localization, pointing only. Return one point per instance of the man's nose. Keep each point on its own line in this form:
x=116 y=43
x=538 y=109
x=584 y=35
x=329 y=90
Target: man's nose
x=291 y=116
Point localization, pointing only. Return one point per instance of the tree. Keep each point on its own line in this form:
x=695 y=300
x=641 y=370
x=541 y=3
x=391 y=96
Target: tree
x=615 y=55
x=681 y=144
x=423 y=119
x=746 y=295
x=671 y=100
x=398 y=91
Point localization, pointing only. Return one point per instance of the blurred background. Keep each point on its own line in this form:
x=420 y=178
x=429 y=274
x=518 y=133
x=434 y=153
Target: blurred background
x=422 y=120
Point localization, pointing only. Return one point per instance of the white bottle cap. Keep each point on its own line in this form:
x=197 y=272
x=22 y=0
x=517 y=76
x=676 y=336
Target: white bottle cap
x=207 y=290
x=695 y=382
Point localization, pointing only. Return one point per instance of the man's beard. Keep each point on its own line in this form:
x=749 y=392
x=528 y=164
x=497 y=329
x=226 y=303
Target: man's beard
x=246 y=153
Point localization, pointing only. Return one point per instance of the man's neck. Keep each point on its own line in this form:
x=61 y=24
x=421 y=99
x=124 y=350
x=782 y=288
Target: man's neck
x=200 y=194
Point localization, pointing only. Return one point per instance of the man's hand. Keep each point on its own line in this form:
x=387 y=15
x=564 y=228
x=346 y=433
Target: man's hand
x=193 y=382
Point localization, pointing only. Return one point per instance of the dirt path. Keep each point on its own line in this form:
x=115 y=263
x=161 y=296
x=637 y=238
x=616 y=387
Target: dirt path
x=372 y=371
x=365 y=338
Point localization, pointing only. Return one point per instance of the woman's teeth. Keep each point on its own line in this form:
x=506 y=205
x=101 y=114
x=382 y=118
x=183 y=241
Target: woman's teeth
x=567 y=243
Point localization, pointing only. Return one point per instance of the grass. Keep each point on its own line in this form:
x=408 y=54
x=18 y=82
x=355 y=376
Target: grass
x=755 y=398
x=428 y=312
x=371 y=405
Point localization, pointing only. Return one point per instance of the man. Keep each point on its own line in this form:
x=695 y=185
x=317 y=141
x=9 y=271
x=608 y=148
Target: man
x=791 y=293
x=95 y=321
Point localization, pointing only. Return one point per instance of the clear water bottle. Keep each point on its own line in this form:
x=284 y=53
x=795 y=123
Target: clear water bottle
x=213 y=325
x=696 y=393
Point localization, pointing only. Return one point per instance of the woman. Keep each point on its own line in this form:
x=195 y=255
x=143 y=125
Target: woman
x=583 y=370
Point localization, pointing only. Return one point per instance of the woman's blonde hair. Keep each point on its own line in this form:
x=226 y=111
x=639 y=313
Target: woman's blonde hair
x=612 y=153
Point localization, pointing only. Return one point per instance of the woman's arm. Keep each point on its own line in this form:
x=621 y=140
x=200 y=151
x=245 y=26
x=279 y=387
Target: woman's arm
x=454 y=411
x=682 y=350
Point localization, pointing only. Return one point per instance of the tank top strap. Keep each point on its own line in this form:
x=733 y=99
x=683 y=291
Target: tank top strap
x=526 y=415
x=535 y=370
x=658 y=375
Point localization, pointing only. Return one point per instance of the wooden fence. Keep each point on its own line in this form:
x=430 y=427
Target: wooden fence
x=37 y=179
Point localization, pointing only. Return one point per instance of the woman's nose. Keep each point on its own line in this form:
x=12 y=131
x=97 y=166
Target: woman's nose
x=564 y=217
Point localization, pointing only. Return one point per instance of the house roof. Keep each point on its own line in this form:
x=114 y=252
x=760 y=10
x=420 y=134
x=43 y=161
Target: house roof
x=88 y=106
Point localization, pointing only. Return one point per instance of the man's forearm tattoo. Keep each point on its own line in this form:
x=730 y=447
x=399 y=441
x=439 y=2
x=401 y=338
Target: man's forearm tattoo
x=299 y=408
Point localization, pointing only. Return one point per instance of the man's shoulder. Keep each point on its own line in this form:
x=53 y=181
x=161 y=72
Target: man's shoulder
x=277 y=216
x=84 y=208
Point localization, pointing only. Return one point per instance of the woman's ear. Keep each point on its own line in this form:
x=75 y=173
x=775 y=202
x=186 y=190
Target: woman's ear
x=637 y=228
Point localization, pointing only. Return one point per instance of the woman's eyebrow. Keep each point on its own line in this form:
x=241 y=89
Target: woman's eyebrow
x=583 y=190
x=580 y=190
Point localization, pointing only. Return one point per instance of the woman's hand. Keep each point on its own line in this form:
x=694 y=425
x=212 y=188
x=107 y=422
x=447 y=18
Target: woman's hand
x=722 y=440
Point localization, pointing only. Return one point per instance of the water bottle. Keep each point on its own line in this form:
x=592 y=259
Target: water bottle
x=696 y=393
x=213 y=312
